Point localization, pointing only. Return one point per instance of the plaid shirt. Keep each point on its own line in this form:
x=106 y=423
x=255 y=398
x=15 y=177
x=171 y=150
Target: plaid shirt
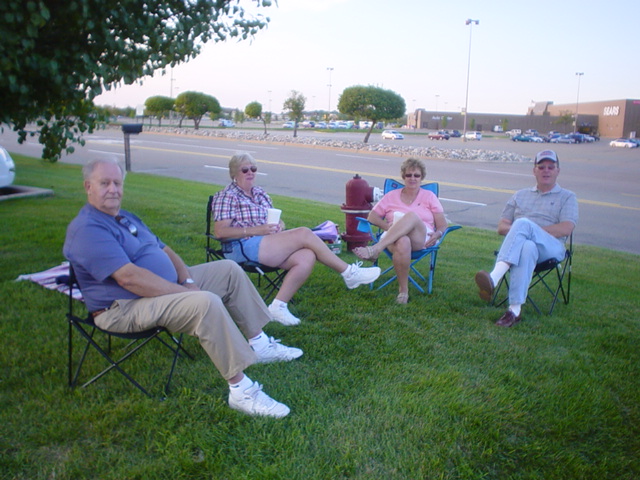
x=244 y=211
x=544 y=209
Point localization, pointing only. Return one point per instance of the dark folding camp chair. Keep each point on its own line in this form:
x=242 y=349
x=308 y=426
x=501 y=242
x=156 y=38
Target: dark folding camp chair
x=87 y=329
x=432 y=252
x=550 y=277
x=269 y=278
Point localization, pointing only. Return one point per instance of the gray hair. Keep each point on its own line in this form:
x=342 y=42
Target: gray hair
x=91 y=165
x=237 y=160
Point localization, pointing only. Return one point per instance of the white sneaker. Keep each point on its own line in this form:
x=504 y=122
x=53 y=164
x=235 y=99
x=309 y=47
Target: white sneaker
x=282 y=315
x=357 y=275
x=276 y=352
x=254 y=401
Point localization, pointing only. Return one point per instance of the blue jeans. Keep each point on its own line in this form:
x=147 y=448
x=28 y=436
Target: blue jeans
x=524 y=246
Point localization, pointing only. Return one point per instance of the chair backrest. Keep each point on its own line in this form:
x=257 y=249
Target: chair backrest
x=390 y=184
x=209 y=214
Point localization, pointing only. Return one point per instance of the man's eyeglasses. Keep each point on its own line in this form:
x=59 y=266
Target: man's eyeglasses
x=124 y=221
x=253 y=168
x=414 y=175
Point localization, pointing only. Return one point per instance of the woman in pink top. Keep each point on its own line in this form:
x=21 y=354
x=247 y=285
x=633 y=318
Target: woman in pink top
x=419 y=223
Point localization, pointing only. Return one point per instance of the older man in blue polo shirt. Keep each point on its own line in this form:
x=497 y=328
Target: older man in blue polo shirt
x=131 y=281
x=536 y=223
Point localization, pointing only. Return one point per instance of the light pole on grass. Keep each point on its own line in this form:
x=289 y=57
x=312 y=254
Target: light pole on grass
x=466 y=101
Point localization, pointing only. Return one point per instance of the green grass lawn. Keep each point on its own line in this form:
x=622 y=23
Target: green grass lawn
x=428 y=390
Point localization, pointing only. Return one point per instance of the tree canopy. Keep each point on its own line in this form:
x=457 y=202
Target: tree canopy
x=254 y=110
x=294 y=106
x=371 y=103
x=56 y=57
x=194 y=105
x=158 y=107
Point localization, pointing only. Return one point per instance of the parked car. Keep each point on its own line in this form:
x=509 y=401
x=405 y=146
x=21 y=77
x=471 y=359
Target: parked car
x=308 y=124
x=473 y=136
x=455 y=133
x=7 y=169
x=551 y=136
x=321 y=125
x=521 y=138
x=623 y=143
x=392 y=135
x=288 y=124
x=441 y=135
x=226 y=123
x=563 y=139
x=514 y=131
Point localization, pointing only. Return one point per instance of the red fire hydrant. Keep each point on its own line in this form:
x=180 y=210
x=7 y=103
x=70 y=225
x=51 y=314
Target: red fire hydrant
x=359 y=197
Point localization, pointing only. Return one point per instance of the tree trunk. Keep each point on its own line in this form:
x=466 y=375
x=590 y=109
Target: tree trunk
x=366 y=137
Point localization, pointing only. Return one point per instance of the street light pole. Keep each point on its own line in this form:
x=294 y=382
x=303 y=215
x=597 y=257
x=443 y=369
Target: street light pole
x=330 y=69
x=466 y=101
x=575 y=129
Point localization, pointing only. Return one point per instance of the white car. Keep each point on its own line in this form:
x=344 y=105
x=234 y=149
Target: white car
x=288 y=124
x=473 y=136
x=392 y=135
x=623 y=142
x=7 y=169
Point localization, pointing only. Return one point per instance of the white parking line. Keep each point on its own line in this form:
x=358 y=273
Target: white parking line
x=463 y=201
x=363 y=158
x=109 y=153
x=258 y=146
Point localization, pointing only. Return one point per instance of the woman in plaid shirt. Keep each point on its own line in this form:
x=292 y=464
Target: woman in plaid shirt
x=240 y=214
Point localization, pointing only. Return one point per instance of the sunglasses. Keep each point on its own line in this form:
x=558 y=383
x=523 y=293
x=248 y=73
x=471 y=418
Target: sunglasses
x=253 y=168
x=124 y=221
x=414 y=175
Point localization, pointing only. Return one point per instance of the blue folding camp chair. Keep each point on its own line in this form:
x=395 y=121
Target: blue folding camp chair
x=365 y=226
x=272 y=276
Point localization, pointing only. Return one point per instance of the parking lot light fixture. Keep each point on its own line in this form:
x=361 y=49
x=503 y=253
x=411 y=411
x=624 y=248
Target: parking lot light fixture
x=329 y=69
x=469 y=22
x=575 y=129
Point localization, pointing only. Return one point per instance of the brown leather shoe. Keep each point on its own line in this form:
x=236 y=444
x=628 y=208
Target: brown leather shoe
x=485 y=284
x=508 y=319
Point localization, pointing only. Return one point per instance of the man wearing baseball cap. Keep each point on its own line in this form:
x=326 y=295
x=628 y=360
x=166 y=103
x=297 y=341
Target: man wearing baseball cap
x=536 y=223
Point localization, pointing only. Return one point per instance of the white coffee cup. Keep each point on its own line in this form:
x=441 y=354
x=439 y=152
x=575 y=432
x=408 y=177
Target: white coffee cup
x=397 y=216
x=273 y=215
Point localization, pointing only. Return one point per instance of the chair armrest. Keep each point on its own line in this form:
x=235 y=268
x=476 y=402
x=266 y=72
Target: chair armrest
x=448 y=230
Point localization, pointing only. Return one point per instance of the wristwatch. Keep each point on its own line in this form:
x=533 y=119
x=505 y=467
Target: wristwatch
x=188 y=281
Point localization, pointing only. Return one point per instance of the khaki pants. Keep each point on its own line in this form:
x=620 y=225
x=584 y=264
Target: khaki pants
x=226 y=312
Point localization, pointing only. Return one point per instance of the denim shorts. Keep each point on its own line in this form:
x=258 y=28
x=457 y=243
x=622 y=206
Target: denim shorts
x=250 y=246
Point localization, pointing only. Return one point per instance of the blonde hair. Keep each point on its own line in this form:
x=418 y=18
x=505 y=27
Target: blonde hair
x=411 y=163
x=237 y=160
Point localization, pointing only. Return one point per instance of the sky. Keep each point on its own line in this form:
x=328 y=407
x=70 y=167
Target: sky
x=518 y=53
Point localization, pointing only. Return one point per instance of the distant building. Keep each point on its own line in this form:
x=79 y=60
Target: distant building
x=616 y=118
x=613 y=118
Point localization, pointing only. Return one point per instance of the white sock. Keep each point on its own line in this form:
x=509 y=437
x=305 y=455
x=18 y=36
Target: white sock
x=259 y=341
x=498 y=272
x=346 y=272
x=241 y=386
x=278 y=303
x=515 y=309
